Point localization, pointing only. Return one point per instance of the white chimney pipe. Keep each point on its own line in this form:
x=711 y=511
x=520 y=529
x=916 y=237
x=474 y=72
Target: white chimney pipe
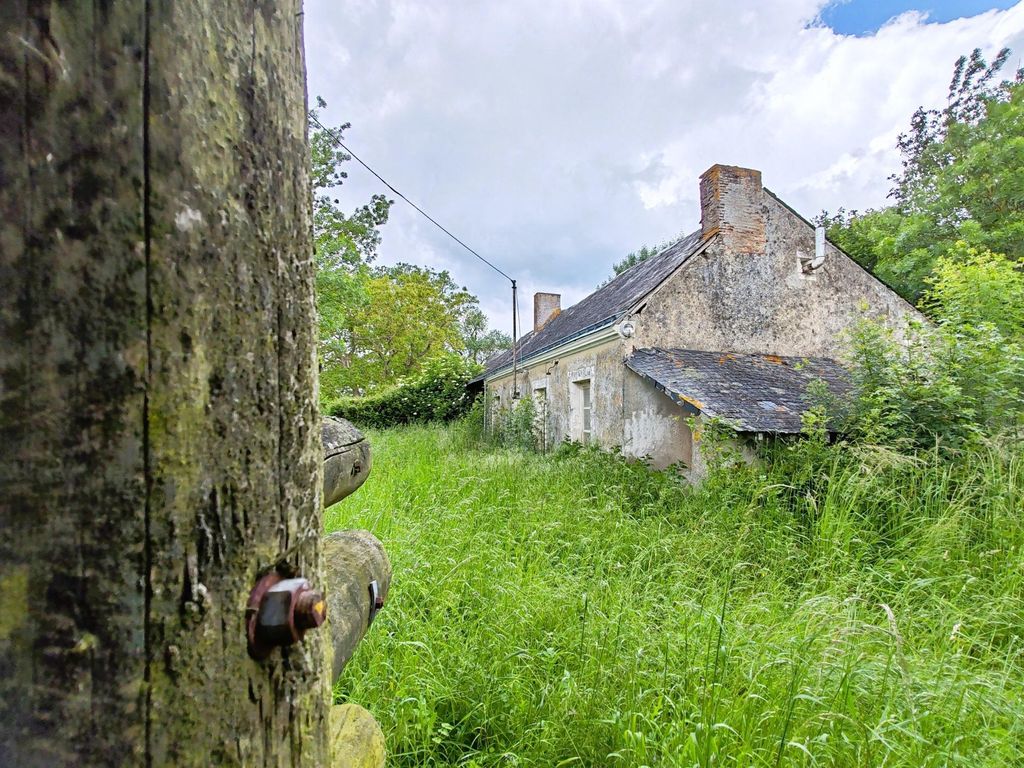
x=819 y=251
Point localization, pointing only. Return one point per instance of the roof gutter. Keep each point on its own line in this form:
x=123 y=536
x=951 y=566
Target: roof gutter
x=595 y=338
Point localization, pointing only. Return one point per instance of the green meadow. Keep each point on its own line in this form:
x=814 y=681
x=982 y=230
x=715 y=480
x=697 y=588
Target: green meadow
x=829 y=606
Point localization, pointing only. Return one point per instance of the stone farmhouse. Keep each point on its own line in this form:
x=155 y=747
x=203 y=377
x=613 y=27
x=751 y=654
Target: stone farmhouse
x=733 y=321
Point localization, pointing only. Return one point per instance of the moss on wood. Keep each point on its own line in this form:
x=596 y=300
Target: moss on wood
x=158 y=383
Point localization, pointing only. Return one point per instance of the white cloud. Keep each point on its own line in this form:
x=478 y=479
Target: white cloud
x=555 y=136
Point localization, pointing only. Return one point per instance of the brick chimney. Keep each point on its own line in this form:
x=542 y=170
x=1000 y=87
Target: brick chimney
x=731 y=205
x=545 y=307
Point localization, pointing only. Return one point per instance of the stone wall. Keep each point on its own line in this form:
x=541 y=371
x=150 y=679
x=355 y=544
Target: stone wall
x=626 y=410
x=727 y=299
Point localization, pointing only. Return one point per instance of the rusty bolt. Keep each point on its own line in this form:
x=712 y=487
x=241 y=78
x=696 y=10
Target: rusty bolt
x=279 y=613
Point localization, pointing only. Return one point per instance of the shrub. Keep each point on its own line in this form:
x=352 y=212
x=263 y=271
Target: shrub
x=438 y=393
x=957 y=380
x=516 y=427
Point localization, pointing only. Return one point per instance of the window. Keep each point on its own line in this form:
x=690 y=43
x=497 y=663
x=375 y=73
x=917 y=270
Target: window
x=583 y=388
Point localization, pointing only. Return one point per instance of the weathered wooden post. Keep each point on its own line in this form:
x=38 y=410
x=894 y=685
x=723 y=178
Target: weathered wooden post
x=159 y=441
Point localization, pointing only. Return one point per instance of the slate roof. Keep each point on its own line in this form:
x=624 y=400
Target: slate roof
x=754 y=393
x=604 y=306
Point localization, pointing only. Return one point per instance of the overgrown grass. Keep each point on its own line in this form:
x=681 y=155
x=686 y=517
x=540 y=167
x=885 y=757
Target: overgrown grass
x=823 y=609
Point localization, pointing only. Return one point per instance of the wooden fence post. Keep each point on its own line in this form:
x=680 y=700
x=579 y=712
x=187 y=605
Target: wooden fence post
x=159 y=437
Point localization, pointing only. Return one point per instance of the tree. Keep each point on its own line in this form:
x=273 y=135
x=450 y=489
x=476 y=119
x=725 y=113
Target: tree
x=962 y=181
x=639 y=256
x=410 y=314
x=345 y=246
x=634 y=257
x=924 y=149
x=345 y=241
x=378 y=324
x=478 y=342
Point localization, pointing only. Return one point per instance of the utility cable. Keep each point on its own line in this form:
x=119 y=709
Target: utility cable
x=427 y=216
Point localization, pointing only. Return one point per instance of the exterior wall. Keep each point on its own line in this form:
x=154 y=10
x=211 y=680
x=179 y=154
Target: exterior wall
x=626 y=410
x=654 y=426
x=602 y=365
x=726 y=299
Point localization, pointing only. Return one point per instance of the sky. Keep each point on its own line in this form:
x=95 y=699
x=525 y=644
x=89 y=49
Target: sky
x=556 y=136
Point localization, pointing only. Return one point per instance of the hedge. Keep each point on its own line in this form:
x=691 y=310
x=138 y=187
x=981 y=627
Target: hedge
x=437 y=393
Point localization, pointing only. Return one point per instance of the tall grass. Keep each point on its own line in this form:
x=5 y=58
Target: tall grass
x=824 y=608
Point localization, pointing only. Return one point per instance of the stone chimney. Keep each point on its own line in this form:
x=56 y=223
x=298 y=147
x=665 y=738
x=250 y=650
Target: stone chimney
x=545 y=307
x=731 y=205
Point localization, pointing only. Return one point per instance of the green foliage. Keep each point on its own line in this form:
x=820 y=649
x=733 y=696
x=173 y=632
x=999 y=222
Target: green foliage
x=929 y=148
x=898 y=247
x=972 y=288
x=962 y=181
x=341 y=241
x=516 y=427
x=831 y=606
x=344 y=246
x=479 y=342
x=379 y=324
x=470 y=432
x=908 y=389
x=409 y=316
x=639 y=256
x=952 y=382
x=635 y=257
x=436 y=393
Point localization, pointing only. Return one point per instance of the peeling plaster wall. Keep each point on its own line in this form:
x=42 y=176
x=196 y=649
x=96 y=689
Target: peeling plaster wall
x=626 y=410
x=602 y=365
x=725 y=300
x=654 y=426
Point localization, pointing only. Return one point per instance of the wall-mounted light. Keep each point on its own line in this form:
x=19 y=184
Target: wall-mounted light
x=626 y=329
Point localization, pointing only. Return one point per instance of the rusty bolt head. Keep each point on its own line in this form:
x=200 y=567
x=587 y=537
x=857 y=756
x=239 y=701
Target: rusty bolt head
x=310 y=610
x=279 y=613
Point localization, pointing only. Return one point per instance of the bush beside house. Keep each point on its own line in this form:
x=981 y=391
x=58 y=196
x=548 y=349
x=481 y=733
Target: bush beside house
x=438 y=393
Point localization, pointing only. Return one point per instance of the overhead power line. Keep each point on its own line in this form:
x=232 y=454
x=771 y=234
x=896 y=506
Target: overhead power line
x=386 y=183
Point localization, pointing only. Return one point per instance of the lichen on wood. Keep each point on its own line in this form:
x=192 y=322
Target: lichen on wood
x=356 y=739
x=157 y=383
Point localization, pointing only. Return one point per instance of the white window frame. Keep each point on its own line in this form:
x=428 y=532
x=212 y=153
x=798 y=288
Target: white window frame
x=583 y=410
